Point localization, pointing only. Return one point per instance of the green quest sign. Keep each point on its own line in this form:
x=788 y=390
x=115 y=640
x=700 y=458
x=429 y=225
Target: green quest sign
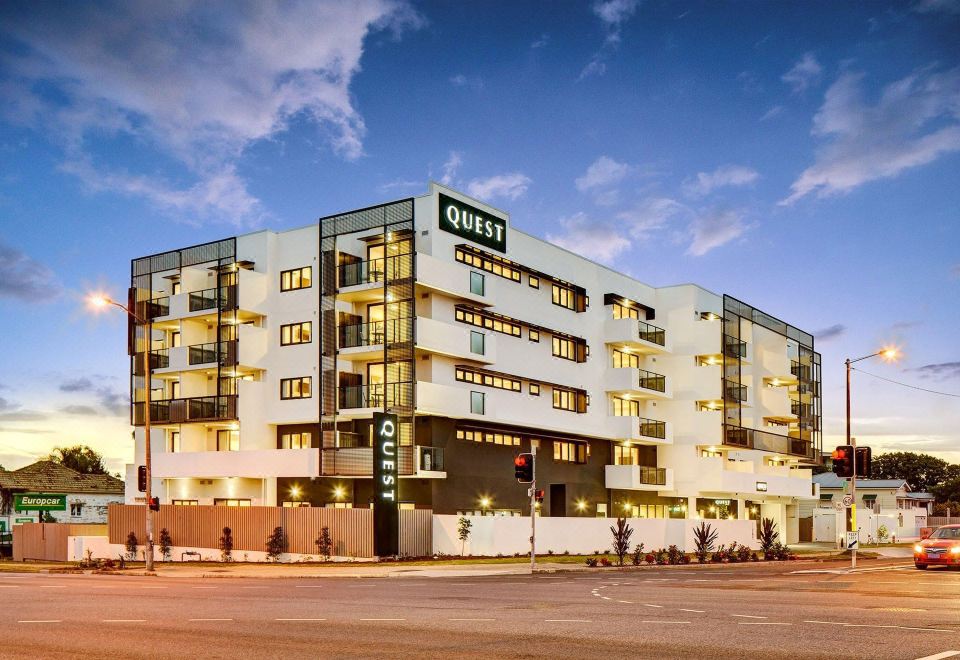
x=39 y=502
x=473 y=224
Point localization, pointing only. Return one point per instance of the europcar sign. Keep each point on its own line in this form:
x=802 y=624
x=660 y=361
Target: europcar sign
x=39 y=502
x=472 y=224
x=386 y=485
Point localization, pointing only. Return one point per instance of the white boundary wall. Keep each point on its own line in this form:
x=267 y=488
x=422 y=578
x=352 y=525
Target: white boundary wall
x=493 y=535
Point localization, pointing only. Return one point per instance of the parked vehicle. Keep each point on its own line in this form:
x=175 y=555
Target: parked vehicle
x=941 y=548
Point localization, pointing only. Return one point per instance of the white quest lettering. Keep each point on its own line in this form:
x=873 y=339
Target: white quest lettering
x=453 y=215
x=389 y=448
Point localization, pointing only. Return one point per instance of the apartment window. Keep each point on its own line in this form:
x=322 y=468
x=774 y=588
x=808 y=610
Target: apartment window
x=289 y=504
x=624 y=312
x=296 y=440
x=564 y=348
x=224 y=501
x=296 y=333
x=534 y=282
x=76 y=509
x=175 y=389
x=625 y=407
x=534 y=335
x=493 y=437
x=476 y=283
x=173 y=442
x=564 y=399
x=563 y=296
x=623 y=455
x=486 y=379
x=709 y=453
x=476 y=342
x=175 y=339
x=297 y=278
x=228 y=440
x=622 y=359
x=185 y=502
x=175 y=287
x=569 y=452
x=488 y=262
x=535 y=389
x=295 y=388
x=477 y=403
x=495 y=323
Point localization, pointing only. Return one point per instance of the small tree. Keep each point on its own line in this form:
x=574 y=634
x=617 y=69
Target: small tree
x=324 y=543
x=704 y=536
x=226 y=545
x=638 y=555
x=166 y=543
x=768 y=535
x=463 y=532
x=131 y=546
x=621 y=539
x=276 y=544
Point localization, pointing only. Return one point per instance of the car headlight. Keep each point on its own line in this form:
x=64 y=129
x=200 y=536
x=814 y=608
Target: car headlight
x=955 y=550
x=918 y=548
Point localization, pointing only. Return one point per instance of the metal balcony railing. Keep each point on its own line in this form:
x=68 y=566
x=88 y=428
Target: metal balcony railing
x=738 y=436
x=374 y=333
x=158 y=307
x=194 y=409
x=653 y=381
x=375 y=396
x=207 y=353
x=376 y=270
x=358 y=461
x=651 y=428
x=652 y=333
x=733 y=391
x=207 y=298
x=733 y=347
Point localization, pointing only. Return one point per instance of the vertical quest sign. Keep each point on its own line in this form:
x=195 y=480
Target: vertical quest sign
x=386 y=485
x=472 y=224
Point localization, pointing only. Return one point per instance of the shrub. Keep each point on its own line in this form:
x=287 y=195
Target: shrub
x=882 y=533
x=778 y=551
x=637 y=558
x=621 y=539
x=650 y=558
x=732 y=556
x=592 y=562
x=660 y=556
x=768 y=535
x=463 y=532
x=325 y=544
x=276 y=544
x=704 y=536
x=744 y=553
x=605 y=562
x=674 y=555
x=720 y=555
x=226 y=545
x=131 y=546
x=166 y=543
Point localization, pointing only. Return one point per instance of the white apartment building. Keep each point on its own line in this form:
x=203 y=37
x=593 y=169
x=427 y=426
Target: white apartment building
x=272 y=350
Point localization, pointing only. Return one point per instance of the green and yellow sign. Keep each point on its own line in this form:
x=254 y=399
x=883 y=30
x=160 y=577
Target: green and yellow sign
x=39 y=502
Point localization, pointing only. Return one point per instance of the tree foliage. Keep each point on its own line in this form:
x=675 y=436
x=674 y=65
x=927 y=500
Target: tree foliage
x=921 y=471
x=948 y=491
x=80 y=458
x=621 y=539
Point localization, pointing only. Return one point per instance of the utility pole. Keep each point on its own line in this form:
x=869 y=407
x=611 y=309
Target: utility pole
x=533 y=512
x=147 y=378
x=853 y=478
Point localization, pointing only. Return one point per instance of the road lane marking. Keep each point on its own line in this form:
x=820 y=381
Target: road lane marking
x=697 y=611
x=319 y=586
x=204 y=587
x=209 y=619
x=649 y=605
x=149 y=587
x=568 y=621
x=749 y=616
x=763 y=623
x=605 y=597
x=829 y=623
x=626 y=602
x=662 y=621
x=471 y=619
x=240 y=587
x=40 y=621
x=299 y=619
x=124 y=621
x=940 y=656
x=9 y=586
x=53 y=586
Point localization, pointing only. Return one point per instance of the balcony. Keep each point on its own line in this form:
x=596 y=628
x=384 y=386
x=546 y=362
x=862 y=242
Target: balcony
x=195 y=409
x=360 y=280
x=223 y=353
x=734 y=392
x=638 y=335
x=255 y=463
x=638 y=477
x=364 y=397
x=641 y=430
x=208 y=299
x=745 y=438
x=633 y=383
x=718 y=475
x=412 y=461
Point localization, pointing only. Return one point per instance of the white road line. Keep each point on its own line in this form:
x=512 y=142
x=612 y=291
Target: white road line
x=314 y=586
x=749 y=616
x=53 y=586
x=209 y=619
x=240 y=587
x=662 y=621
x=299 y=619
x=147 y=587
x=626 y=602
x=568 y=621
x=926 y=629
x=124 y=621
x=40 y=621
x=471 y=619
x=605 y=597
x=383 y=619
x=940 y=656
x=829 y=623
x=204 y=587
x=649 y=605
x=697 y=611
x=762 y=623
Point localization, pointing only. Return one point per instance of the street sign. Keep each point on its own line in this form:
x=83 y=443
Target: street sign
x=39 y=502
x=838 y=505
x=853 y=540
x=847 y=500
x=386 y=510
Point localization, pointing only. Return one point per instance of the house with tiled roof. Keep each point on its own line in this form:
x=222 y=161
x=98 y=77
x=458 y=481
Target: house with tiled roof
x=86 y=495
x=877 y=495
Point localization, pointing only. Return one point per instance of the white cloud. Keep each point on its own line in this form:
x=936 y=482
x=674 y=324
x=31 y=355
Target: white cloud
x=723 y=176
x=938 y=6
x=506 y=186
x=200 y=84
x=772 y=112
x=914 y=121
x=25 y=279
x=712 y=229
x=592 y=239
x=461 y=80
x=652 y=214
x=602 y=173
x=804 y=74
x=450 y=168
x=612 y=14
x=541 y=42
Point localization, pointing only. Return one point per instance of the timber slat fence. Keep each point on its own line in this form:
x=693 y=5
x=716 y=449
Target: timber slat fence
x=48 y=541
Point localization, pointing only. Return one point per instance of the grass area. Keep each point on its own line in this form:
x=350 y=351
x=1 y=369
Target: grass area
x=10 y=566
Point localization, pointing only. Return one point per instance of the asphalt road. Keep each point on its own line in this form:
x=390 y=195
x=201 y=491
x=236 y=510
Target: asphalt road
x=752 y=611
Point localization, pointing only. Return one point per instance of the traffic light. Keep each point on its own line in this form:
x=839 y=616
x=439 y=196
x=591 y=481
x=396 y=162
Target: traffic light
x=523 y=468
x=154 y=503
x=843 y=461
x=142 y=478
x=864 y=466
x=539 y=495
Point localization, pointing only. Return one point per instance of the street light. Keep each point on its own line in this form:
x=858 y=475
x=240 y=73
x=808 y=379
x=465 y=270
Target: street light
x=889 y=354
x=102 y=302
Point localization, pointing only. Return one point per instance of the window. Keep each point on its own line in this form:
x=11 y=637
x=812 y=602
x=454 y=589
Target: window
x=534 y=335
x=228 y=440
x=76 y=509
x=535 y=389
x=175 y=339
x=477 y=403
x=564 y=399
x=564 y=348
x=295 y=388
x=487 y=379
x=482 y=320
x=222 y=501
x=569 y=452
x=534 y=282
x=622 y=359
x=298 y=278
x=563 y=296
x=288 y=504
x=488 y=262
x=174 y=389
x=185 y=502
x=493 y=437
x=476 y=283
x=476 y=342
x=625 y=407
x=296 y=440
x=623 y=455
x=709 y=453
x=296 y=333
x=173 y=442
x=623 y=312
x=176 y=287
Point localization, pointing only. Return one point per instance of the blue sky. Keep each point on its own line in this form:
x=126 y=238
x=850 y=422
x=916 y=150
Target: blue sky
x=801 y=156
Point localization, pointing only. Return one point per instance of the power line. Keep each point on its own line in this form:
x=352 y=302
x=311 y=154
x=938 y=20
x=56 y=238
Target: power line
x=912 y=387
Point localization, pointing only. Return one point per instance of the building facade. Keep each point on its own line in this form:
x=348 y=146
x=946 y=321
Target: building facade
x=85 y=497
x=271 y=351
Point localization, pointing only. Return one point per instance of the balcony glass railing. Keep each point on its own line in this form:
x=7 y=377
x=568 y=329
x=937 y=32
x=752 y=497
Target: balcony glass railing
x=195 y=409
x=376 y=270
x=158 y=307
x=738 y=436
x=207 y=353
x=375 y=396
x=374 y=333
x=652 y=333
x=734 y=391
x=653 y=476
x=198 y=301
x=651 y=428
x=160 y=359
x=431 y=458
x=653 y=381
x=799 y=370
x=733 y=347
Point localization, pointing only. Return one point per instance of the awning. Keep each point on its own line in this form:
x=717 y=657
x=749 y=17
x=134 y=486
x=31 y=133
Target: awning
x=826 y=497
x=869 y=498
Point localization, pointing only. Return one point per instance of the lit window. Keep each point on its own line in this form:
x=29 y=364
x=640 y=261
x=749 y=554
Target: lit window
x=295 y=388
x=626 y=407
x=564 y=348
x=534 y=335
x=535 y=389
x=228 y=440
x=173 y=442
x=624 y=312
x=298 y=278
x=223 y=501
x=534 y=282
x=563 y=296
x=625 y=360
x=564 y=399
x=296 y=333
x=296 y=440
x=569 y=452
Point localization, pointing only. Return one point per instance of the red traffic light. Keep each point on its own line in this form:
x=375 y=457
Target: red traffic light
x=523 y=468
